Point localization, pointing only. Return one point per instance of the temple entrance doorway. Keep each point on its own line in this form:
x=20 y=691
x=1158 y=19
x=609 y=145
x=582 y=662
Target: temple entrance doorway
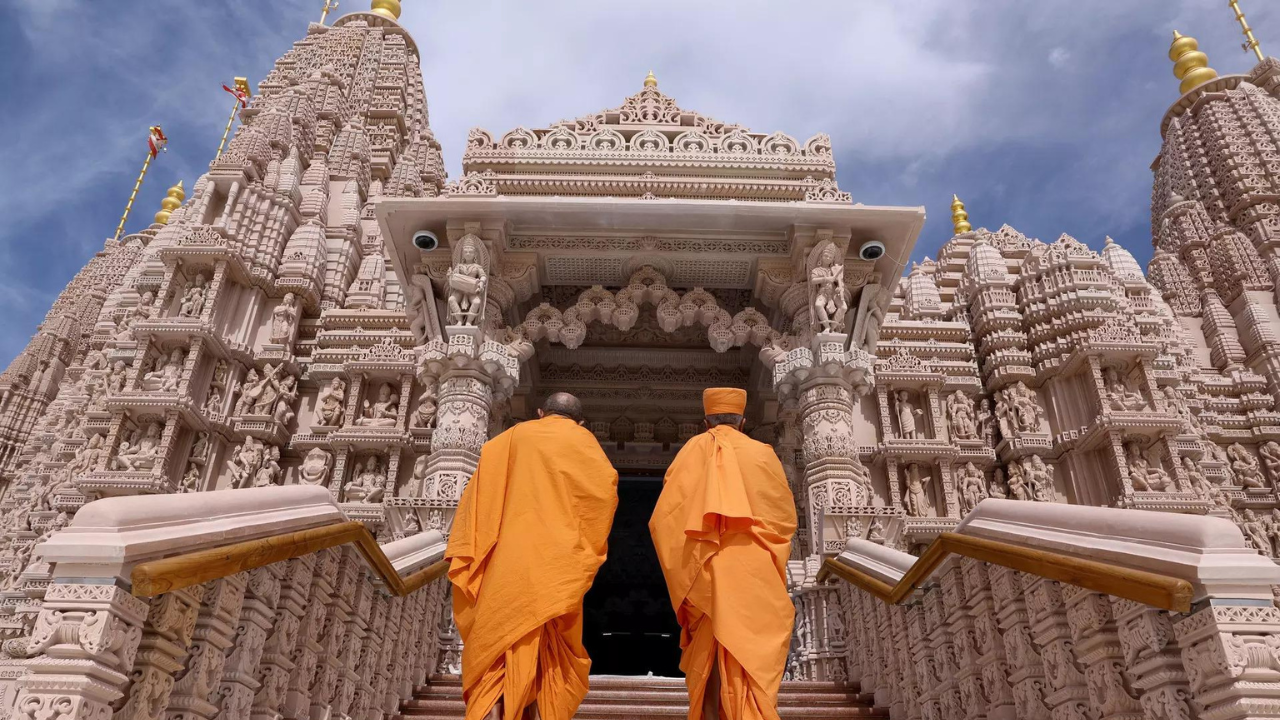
x=628 y=625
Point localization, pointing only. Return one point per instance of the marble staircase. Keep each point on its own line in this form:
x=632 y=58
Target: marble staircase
x=632 y=698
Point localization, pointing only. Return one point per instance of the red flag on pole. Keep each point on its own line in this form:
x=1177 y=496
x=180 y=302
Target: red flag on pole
x=156 y=140
x=241 y=96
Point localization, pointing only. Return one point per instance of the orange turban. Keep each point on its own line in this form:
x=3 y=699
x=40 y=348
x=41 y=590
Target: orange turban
x=724 y=401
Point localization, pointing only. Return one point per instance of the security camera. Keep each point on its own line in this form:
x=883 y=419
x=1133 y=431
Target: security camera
x=425 y=240
x=870 y=250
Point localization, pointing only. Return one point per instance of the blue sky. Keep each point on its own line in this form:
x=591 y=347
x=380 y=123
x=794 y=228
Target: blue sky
x=1044 y=115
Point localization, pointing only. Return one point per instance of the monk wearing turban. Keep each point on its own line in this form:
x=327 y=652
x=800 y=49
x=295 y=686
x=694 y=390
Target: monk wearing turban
x=722 y=529
x=528 y=537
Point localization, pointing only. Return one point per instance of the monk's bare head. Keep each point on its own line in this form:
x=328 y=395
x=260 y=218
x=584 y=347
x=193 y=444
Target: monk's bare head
x=732 y=419
x=563 y=404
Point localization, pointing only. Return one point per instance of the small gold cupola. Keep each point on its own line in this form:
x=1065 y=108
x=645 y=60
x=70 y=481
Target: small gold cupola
x=172 y=201
x=1189 y=64
x=650 y=80
x=959 y=218
x=389 y=9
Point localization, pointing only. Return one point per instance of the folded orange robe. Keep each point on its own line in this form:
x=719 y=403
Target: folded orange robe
x=529 y=534
x=723 y=529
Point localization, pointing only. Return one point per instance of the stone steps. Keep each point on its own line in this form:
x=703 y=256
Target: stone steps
x=615 y=698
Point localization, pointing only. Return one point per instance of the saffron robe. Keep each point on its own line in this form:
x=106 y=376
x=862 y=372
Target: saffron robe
x=722 y=528
x=530 y=533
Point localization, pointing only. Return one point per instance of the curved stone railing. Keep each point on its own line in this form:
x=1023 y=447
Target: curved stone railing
x=1043 y=610
x=264 y=603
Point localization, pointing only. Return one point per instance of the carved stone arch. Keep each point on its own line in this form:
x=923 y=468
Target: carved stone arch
x=561 y=139
x=819 y=145
x=780 y=144
x=738 y=142
x=650 y=140
x=692 y=141
x=519 y=139
x=479 y=139
x=607 y=139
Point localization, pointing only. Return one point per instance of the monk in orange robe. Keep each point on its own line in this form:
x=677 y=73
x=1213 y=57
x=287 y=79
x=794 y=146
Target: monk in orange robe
x=723 y=527
x=529 y=534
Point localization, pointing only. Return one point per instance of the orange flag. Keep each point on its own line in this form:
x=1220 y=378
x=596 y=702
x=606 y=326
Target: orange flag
x=529 y=534
x=723 y=529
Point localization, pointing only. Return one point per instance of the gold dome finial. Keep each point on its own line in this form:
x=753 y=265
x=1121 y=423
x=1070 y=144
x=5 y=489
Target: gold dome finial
x=172 y=201
x=650 y=80
x=389 y=9
x=959 y=218
x=1189 y=64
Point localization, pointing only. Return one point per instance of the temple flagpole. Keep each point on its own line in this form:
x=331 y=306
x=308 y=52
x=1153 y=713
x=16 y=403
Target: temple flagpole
x=328 y=5
x=241 y=94
x=155 y=143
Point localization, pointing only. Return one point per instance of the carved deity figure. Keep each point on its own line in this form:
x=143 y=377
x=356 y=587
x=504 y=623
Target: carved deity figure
x=259 y=394
x=907 y=413
x=1218 y=455
x=916 y=496
x=1178 y=404
x=1119 y=395
x=986 y=422
x=1245 y=467
x=246 y=462
x=315 y=467
x=1026 y=412
x=117 y=378
x=425 y=414
x=195 y=464
x=1270 y=453
x=1256 y=532
x=998 y=487
x=961 y=421
x=1143 y=473
x=141 y=450
x=1018 y=483
x=332 y=402
x=383 y=412
x=366 y=484
x=1272 y=523
x=193 y=298
x=143 y=311
x=1200 y=484
x=1040 y=479
x=284 y=319
x=973 y=487
x=87 y=458
x=467 y=281
x=167 y=373
x=218 y=387
x=269 y=473
x=827 y=291
x=288 y=394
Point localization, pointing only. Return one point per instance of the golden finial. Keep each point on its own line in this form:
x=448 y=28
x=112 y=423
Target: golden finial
x=171 y=202
x=1251 y=42
x=959 y=218
x=1189 y=64
x=389 y=9
x=328 y=5
x=650 y=80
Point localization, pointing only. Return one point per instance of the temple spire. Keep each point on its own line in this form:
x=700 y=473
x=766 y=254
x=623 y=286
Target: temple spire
x=1251 y=42
x=1189 y=64
x=389 y=9
x=172 y=201
x=650 y=81
x=959 y=218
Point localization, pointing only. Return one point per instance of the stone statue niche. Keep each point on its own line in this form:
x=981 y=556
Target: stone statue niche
x=165 y=372
x=909 y=416
x=193 y=296
x=828 y=295
x=917 y=480
x=368 y=479
x=380 y=407
x=467 y=282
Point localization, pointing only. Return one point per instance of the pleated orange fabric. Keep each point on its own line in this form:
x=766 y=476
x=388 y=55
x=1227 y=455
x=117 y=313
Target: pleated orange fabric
x=530 y=533
x=722 y=528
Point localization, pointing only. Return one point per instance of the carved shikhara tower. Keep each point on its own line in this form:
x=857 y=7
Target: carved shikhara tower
x=325 y=309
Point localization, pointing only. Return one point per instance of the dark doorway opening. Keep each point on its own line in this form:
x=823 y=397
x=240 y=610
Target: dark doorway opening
x=628 y=626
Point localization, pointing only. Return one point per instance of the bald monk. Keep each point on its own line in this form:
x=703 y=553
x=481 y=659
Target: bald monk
x=723 y=528
x=528 y=537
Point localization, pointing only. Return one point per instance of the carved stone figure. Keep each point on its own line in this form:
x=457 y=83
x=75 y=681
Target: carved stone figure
x=1039 y=478
x=259 y=394
x=986 y=422
x=383 y=412
x=876 y=532
x=143 y=311
x=1018 y=483
x=366 y=484
x=141 y=451
x=1199 y=483
x=117 y=378
x=269 y=473
x=332 y=402
x=425 y=414
x=1024 y=411
x=245 y=463
x=1143 y=474
x=1245 y=467
x=1255 y=532
x=194 y=298
x=315 y=467
x=288 y=395
x=827 y=291
x=1270 y=453
x=167 y=373
x=972 y=486
x=87 y=458
x=1119 y=395
x=961 y=421
x=998 y=487
x=1178 y=404
x=907 y=413
x=284 y=319
x=467 y=281
x=916 y=496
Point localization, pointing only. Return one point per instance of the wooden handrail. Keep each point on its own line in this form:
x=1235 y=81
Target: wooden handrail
x=1161 y=591
x=156 y=577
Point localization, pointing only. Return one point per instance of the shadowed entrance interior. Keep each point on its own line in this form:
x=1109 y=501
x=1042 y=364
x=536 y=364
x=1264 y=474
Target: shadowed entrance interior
x=628 y=625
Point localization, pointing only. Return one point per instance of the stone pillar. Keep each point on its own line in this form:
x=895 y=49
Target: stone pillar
x=1026 y=667
x=215 y=627
x=1152 y=659
x=239 y=675
x=1068 y=694
x=1232 y=657
x=80 y=653
x=987 y=645
x=171 y=625
x=1097 y=647
x=276 y=662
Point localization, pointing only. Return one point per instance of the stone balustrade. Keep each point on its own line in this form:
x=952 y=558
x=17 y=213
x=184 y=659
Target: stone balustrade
x=977 y=639
x=321 y=634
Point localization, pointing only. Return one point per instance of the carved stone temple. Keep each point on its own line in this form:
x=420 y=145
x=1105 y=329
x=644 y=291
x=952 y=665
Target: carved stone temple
x=330 y=328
